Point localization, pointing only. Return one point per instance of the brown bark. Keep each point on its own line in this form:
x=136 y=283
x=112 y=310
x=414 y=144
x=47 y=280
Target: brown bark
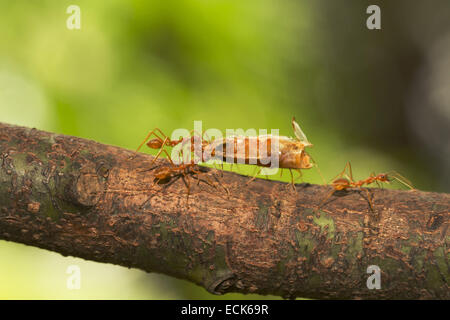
x=89 y=200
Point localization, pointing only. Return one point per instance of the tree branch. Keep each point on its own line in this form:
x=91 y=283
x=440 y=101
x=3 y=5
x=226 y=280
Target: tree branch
x=89 y=200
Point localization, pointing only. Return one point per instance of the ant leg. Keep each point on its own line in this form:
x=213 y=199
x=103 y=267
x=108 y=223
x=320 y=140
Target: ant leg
x=193 y=131
x=197 y=174
x=320 y=174
x=209 y=182
x=318 y=171
x=188 y=186
x=189 y=190
x=156 y=157
x=191 y=140
x=300 y=174
x=254 y=177
x=222 y=168
x=207 y=138
x=149 y=135
x=155 y=181
x=350 y=170
x=218 y=182
x=161 y=150
x=187 y=140
x=341 y=173
x=326 y=198
x=369 y=199
x=255 y=172
x=214 y=166
x=349 y=176
x=168 y=158
x=292 y=179
x=225 y=188
x=181 y=155
x=397 y=176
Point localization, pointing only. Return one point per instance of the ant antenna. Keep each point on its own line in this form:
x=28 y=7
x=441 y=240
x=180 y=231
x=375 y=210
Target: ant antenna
x=318 y=170
x=397 y=176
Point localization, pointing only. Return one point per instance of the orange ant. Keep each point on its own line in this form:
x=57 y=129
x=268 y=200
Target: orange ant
x=165 y=174
x=160 y=143
x=347 y=182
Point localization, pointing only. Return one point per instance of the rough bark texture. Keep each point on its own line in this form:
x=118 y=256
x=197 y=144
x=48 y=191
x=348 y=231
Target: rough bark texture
x=89 y=200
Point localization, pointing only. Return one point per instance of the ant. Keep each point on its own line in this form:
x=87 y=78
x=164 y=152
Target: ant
x=165 y=174
x=160 y=143
x=347 y=182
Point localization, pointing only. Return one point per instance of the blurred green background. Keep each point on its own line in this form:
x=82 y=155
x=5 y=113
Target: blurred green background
x=377 y=98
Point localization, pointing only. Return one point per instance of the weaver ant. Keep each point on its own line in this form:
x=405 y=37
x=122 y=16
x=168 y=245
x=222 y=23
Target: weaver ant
x=347 y=182
x=160 y=143
x=167 y=173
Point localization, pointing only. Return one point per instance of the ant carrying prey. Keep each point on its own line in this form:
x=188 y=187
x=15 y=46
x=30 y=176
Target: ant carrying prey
x=264 y=151
x=160 y=143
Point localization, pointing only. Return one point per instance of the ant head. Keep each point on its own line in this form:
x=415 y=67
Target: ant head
x=154 y=144
x=383 y=177
x=393 y=175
